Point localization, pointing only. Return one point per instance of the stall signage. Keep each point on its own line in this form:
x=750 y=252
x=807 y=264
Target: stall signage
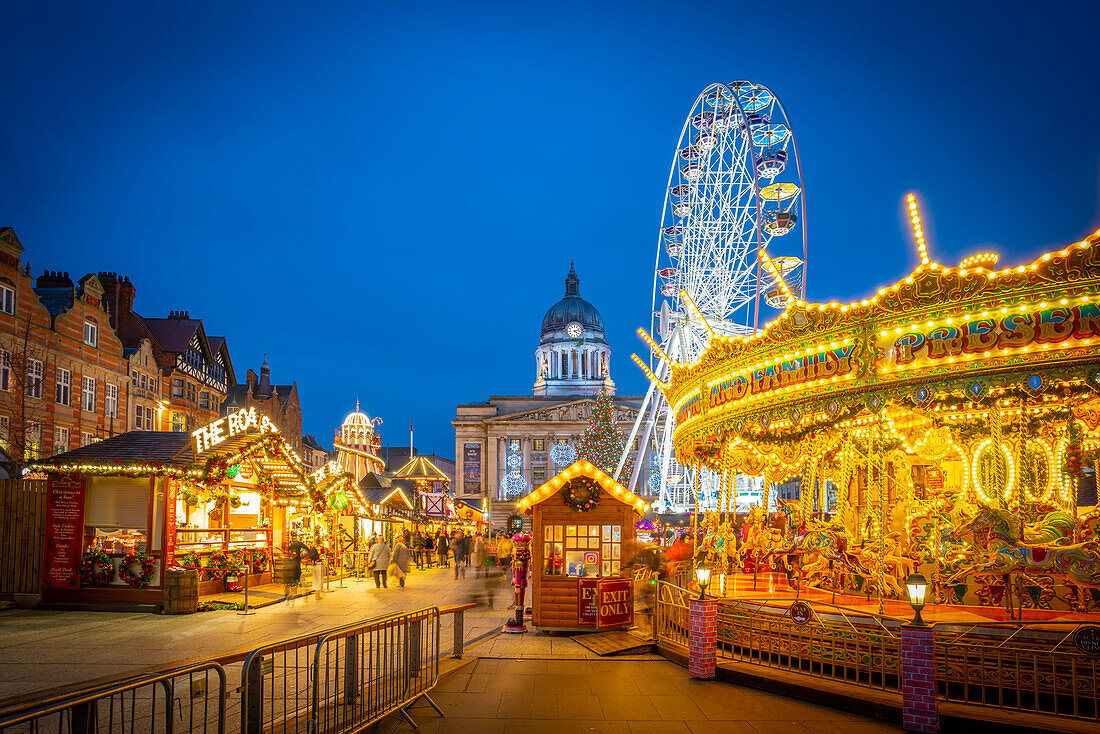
x=587 y=609
x=213 y=434
x=471 y=467
x=64 y=530
x=616 y=603
x=933 y=479
x=324 y=472
x=170 y=522
x=1087 y=640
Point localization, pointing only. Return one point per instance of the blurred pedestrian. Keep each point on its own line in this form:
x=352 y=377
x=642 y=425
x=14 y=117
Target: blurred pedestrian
x=457 y=552
x=481 y=556
x=399 y=563
x=379 y=560
x=318 y=571
x=292 y=571
x=441 y=549
x=504 y=550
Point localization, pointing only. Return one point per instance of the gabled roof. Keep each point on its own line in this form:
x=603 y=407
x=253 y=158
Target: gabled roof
x=380 y=490
x=582 y=468
x=422 y=469
x=134 y=447
x=175 y=334
x=473 y=504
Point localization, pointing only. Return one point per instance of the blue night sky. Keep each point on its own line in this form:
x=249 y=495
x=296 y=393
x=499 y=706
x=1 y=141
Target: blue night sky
x=386 y=197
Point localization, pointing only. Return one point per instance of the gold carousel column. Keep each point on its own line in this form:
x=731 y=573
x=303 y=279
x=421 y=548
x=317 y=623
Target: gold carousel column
x=881 y=512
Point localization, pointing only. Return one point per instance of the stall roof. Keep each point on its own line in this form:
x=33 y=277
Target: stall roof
x=152 y=451
x=421 y=469
x=582 y=468
x=379 y=489
x=474 y=503
x=144 y=447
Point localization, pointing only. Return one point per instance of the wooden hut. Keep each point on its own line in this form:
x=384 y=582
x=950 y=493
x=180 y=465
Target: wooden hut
x=583 y=527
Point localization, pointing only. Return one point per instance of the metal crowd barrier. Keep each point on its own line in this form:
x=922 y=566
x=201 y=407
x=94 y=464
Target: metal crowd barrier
x=177 y=700
x=364 y=673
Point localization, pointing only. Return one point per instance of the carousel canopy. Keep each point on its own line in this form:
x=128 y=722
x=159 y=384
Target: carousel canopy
x=421 y=469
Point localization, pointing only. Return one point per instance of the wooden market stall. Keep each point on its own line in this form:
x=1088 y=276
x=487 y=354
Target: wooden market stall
x=583 y=529
x=123 y=510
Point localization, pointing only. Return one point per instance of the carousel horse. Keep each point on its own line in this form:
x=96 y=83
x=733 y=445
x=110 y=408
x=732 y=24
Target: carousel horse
x=1088 y=524
x=995 y=533
x=896 y=565
x=829 y=540
x=1054 y=528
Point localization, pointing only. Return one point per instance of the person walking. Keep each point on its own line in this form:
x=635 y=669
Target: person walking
x=481 y=555
x=457 y=550
x=379 y=560
x=467 y=547
x=399 y=563
x=318 y=571
x=414 y=546
x=441 y=549
x=504 y=550
x=292 y=571
x=427 y=549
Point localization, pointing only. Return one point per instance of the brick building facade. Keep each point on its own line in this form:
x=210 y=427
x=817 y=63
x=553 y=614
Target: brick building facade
x=62 y=369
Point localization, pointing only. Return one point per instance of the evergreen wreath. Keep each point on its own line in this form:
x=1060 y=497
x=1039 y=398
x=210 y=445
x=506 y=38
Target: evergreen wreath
x=582 y=494
x=217 y=567
x=96 y=568
x=137 y=580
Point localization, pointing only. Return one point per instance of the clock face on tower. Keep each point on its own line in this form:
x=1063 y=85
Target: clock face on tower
x=574 y=330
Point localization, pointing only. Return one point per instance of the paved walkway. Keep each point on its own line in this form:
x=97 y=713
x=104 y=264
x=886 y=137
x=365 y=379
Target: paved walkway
x=614 y=697
x=44 y=649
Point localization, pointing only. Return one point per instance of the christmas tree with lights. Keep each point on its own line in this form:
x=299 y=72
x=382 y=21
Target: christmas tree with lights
x=603 y=440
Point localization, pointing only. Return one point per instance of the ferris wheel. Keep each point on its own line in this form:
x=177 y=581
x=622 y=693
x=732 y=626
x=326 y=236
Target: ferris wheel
x=735 y=186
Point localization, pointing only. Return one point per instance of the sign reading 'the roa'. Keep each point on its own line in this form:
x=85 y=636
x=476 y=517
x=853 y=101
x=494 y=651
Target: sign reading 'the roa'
x=615 y=606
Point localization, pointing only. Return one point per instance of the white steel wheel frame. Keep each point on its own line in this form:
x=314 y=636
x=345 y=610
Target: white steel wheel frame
x=720 y=197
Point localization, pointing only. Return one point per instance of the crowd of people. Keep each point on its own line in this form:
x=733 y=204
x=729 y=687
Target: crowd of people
x=459 y=550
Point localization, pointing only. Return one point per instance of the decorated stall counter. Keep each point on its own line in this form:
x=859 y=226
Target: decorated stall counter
x=583 y=530
x=122 y=511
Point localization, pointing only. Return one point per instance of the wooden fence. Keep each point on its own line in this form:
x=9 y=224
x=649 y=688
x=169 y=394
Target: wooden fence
x=22 y=520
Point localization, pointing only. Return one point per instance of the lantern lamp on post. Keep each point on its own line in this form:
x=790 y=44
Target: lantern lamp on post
x=702 y=577
x=917 y=587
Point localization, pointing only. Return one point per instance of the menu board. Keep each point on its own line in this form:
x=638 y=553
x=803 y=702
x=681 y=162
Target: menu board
x=64 y=530
x=933 y=479
x=586 y=601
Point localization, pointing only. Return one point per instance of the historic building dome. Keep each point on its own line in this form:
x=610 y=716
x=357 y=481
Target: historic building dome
x=572 y=357
x=572 y=309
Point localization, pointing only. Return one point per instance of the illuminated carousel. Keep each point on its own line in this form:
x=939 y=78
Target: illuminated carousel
x=948 y=425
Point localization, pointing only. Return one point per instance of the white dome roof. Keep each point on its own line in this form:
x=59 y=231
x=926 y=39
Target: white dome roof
x=358 y=418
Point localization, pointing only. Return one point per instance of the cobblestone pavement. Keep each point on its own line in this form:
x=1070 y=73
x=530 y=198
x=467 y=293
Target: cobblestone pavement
x=45 y=649
x=614 y=697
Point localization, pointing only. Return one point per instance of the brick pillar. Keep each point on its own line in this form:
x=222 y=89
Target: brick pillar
x=703 y=637
x=918 y=680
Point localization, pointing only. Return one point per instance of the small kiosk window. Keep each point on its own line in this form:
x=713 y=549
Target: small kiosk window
x=582 y=550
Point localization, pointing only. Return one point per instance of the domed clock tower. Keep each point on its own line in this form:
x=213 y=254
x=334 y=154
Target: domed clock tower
x=572 y=357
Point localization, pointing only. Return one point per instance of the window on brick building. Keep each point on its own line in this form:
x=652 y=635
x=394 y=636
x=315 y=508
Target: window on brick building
x=110 y=401
x=177 y=387
x=144 y=382
x=179 y=424
x=64 y=386
x=91 y=333
x=538 y=475
x=5 y=371
x=134 y=378
x=190 y=388
x=86 y=438
x=153 y=384
x=5 y=427
x=143 y=418
x=204 y=400
x=60 y=440
x=89 y=394
x=33 y=441
x=7 y=299
x=34 y=378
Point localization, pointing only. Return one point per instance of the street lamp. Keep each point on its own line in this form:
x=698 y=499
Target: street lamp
x=917 y=586
x=702 y=577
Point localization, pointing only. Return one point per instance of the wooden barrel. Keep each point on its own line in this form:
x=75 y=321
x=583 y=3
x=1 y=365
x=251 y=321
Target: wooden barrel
x=181 y=591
